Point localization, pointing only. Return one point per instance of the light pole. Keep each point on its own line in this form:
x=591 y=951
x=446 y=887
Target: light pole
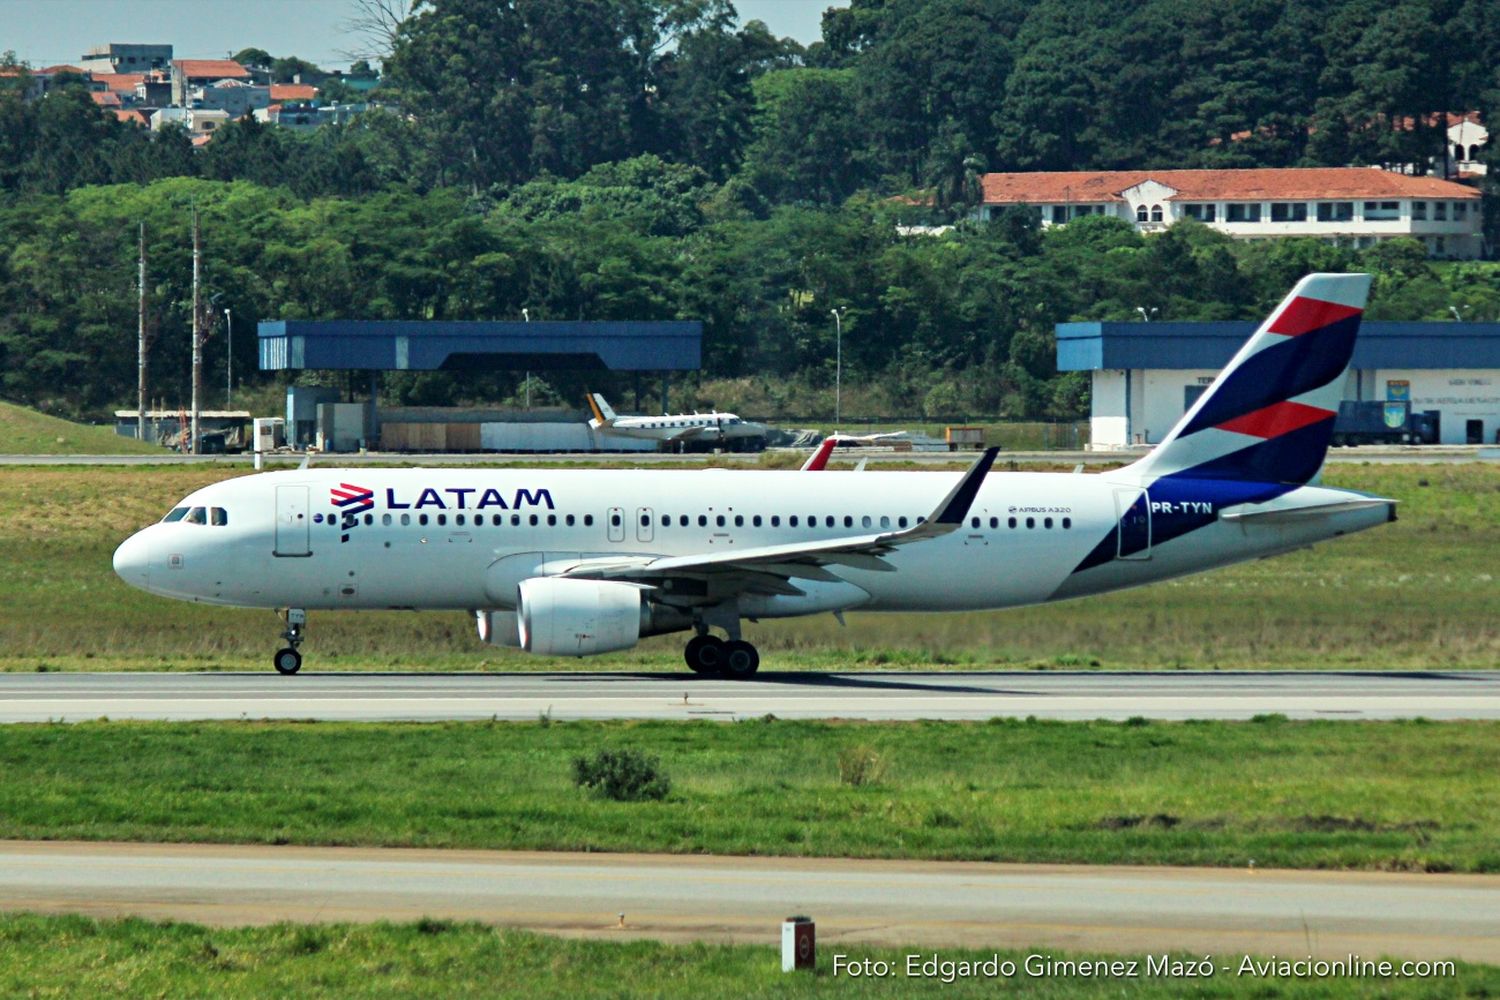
x=1458 y=317
x=526 y=315
x=1146 y=316
x=838 y=365
x=228 y=358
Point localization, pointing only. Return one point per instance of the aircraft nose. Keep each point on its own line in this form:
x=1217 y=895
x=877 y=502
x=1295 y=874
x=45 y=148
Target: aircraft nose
x=133 y=560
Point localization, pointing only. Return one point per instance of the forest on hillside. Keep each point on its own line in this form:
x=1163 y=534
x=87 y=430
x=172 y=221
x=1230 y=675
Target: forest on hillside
x=652 y=159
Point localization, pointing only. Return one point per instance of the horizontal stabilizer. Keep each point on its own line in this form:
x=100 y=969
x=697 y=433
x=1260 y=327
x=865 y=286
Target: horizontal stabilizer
x=1279 y=514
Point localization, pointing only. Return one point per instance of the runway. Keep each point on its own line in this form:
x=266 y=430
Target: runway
x=75 y=697
x=1222 y=912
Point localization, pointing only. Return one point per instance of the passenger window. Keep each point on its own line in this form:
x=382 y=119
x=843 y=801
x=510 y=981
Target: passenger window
x=458 y=519
x=755 y=521
x=614 y=520
x=848 y=521
x=901 y=521
x=175 y=514
x=370 y=518
x=792 y=521
x=515 y=520
x=1031 y=522
x=422 y=520
x=666 y=520
x=719 y=520
x=588 y=520
x=197 y=516
x=885 y=521
x=218 y=517
x=994 y=522
x=497 y=520
x=1047 y=522
x=702 y=520
x=739 y=520
x=535 y=520
x=973 y=522
x=569 y=520
x=551 y=520
x=405 y=519
x=829 y=520
x=775 y=520
x=442 y=519
x=682 y=520
x=1011 y=522
x=645 y=520
x=1067 y=522
x=385 y=520
x=865 y=521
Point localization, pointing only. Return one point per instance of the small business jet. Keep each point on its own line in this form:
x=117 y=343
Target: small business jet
x=565 y=562
x=677 y=428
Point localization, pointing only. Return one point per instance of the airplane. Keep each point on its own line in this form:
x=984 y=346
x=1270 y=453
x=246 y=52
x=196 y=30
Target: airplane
x=677 y=428
x=582 y=562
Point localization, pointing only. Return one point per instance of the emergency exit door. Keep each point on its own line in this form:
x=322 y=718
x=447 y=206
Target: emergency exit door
x=292 y=522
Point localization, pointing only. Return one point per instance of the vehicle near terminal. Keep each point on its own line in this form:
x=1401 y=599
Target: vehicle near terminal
x=717 y=429
x=566 y=562
x=1371 y=421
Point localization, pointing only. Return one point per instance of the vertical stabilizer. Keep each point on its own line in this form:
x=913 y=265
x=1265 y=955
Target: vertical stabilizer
x=1269 y=415
x=603 y=415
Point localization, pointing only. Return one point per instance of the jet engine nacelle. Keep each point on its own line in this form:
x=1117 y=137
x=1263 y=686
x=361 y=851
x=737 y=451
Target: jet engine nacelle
x=561 y=617
x=499 y=628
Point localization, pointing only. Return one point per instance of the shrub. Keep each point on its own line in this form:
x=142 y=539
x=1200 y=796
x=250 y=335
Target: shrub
x=860 y=765
x=623 y=775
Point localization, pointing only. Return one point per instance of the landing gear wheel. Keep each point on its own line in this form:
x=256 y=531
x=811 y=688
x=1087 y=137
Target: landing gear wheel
x=741 y=659
x=705 y=654
x=287 y=661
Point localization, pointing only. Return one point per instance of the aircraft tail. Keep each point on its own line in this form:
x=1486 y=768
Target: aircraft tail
x=603 y=415
x=1269 y=415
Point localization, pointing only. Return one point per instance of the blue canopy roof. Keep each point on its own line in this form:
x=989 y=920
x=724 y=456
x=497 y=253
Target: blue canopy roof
x=1381 y=344
x=414 y=345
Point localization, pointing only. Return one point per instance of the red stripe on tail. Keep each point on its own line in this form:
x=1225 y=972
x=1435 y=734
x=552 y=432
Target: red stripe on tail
x=1276 y=420
x=1304 y=315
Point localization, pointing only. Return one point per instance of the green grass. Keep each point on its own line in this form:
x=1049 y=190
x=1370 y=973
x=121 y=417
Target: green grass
x=1418 y=594
x=67 y=956
x=1407 y=796
x=27 y=432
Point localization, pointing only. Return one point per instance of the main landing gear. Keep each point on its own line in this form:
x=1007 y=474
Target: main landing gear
x=288 y=661
x=710 y=655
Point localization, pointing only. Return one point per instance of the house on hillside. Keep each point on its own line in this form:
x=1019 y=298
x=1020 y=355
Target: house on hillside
x=1348 y=206
x=199 y=122
x=127 y=57
x=190 y=73
x=236 y=97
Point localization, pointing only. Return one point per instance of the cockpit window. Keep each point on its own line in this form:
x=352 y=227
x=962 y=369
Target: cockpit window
x=218 y=516
x=197 y=515
x=175 y=514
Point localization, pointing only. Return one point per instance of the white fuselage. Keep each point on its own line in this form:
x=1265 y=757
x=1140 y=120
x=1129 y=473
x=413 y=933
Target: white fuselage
x=683 y=427
x=464 y=538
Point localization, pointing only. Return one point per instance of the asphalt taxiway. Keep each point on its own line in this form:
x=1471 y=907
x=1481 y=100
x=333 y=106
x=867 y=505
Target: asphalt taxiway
x=1171 y=695
x=1222 y=912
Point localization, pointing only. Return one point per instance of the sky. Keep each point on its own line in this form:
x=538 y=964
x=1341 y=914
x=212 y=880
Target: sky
x=49 y=32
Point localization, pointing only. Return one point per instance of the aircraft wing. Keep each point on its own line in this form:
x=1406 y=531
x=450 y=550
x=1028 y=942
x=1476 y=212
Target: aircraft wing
x=687 y=435
x=798 y=559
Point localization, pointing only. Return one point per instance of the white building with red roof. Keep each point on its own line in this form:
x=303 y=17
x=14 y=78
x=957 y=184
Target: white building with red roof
x=190 y=73
x=1351 y=206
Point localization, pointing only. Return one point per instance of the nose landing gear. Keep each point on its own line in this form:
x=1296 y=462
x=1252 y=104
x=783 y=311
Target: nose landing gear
x=288 y=661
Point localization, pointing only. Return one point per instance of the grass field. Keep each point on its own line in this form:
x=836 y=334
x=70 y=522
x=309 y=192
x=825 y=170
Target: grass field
x=1418 y=594
x=79 y=957
x=27 y=432
x=1384 y=796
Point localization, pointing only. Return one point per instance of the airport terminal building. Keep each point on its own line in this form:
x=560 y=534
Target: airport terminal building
x=1146 y=375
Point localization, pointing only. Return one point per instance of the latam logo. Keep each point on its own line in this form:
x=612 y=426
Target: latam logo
x=351 y=501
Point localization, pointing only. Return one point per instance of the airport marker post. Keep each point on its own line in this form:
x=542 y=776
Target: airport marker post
x=798 y=944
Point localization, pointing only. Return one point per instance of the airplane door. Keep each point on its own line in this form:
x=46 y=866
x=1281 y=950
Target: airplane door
x=644 y=530
x=1133 y=511
x=616 y=524
x=292 y=525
